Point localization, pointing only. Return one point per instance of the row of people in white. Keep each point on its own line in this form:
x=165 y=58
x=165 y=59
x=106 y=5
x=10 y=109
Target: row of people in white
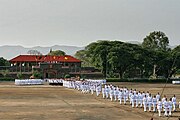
x=84 y=86
x=29 y=82
x=136 y=99
x=139 y=99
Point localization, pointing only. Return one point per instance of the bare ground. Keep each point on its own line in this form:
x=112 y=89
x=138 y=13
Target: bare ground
x=46 y=102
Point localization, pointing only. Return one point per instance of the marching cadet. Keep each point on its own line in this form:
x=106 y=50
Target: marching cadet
x=111 y=94
x=140 y=99
x=158 y=96
x=170 y=106
x=116 y=92
x=125 y=96
x=154 y=102
x=107 y=92
x=163 y=99
x=149 y=101
x=92 y=89
x=103 y=91
x=137 y=99
x=143 y=94
x=82 y=88
x=87 y=88
x=132 y=99
x=165 y=105
x=130 y=94
x=159 y=107
x=139 y=95
x=145 y=103
x=98 y=90
x=147 y=94
x=134 y=91
x=174 y=102
x=120 y=96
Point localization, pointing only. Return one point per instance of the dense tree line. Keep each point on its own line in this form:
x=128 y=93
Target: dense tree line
x=4 y=62
x=152 y=58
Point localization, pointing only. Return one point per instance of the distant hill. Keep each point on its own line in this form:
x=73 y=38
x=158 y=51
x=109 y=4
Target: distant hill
x=134 y=42
x=9 y=52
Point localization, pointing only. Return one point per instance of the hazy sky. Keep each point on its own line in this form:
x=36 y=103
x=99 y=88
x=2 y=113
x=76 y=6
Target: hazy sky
x=80 y=22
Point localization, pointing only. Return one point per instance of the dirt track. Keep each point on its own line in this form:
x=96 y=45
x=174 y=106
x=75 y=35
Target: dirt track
x=46 y=102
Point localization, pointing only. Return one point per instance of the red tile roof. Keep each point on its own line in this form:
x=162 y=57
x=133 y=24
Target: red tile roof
x=43 y=58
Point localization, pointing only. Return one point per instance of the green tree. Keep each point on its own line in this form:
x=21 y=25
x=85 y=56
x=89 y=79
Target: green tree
x=175 y=67
x=81 y=55
x=120 y=59
x=97 y=52
x=57 y=53
x=156 y=40
x=157 y=45
x=4 y=62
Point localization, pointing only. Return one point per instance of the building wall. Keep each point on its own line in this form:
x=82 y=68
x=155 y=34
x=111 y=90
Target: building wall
x=59 y=70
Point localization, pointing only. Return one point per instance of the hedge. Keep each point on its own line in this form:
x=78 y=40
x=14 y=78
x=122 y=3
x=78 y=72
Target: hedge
x=142 y=80
x=7 y=79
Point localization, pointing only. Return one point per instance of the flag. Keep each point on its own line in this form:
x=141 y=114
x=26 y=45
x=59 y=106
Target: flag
x=65 y=58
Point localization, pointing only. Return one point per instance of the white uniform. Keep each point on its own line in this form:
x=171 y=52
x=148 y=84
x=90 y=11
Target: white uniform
x=137 y=99
x=163 y=100
x=147 y=94
x=92 y=89
x=157 y=97
x=130 y=93
x=143 y=94
x=149 y=101
x=125 y=96
x=111 y=94
x=174 y=103
x=165 y=104
x=154 y=102
x=107 y=92
x=159 y=107
x=120 y=96
x=116 y=92
x=140 y=99
x=133 y=99
x=98 y=90
x=103 y=92
x=170 y=104
x=145 y=103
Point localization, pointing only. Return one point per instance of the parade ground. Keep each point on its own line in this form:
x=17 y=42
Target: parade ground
x=45 y=102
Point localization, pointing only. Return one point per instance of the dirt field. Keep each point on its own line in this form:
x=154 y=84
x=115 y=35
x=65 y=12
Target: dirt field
x=46 y=102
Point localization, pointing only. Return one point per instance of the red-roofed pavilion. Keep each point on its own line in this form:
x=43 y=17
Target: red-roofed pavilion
x=49 y=66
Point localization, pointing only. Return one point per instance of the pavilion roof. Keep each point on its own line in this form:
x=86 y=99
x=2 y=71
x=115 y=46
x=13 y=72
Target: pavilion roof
x=43 y=58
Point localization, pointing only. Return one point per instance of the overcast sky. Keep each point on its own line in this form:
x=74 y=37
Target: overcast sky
x=80 y=22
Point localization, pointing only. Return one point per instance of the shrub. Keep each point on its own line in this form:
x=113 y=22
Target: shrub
x=19 y=75
x=67 y=76
x=36 y=74
x=7 y=79
x=4 y=72
x=141 y=80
